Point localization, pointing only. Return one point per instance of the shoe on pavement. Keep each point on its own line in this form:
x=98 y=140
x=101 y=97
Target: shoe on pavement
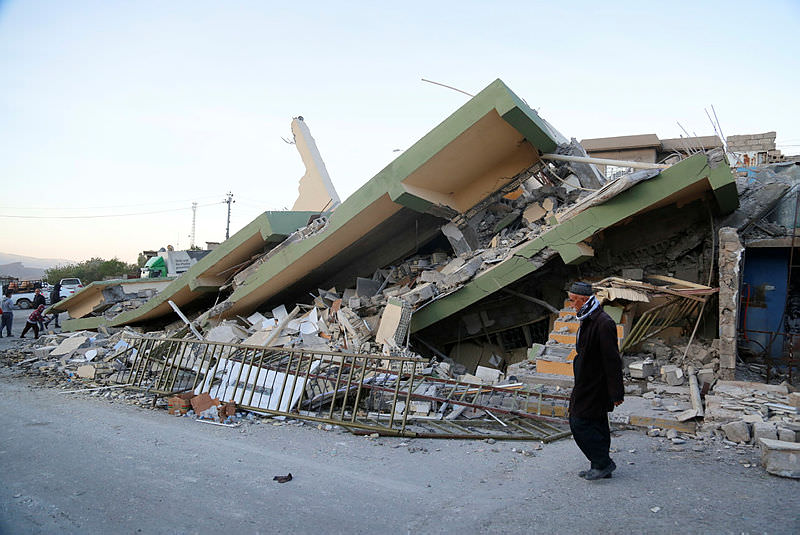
x=604 y=473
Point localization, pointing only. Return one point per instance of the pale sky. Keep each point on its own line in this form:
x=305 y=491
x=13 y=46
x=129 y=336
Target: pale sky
x=110 y=107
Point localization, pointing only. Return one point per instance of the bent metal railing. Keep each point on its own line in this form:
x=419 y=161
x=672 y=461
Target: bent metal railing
x=363 y=393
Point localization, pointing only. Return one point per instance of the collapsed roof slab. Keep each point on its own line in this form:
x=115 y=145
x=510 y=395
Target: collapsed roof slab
x=82 y=303
x=473 y=153
x=214 y=269
x=91 y=323
x=685 y=181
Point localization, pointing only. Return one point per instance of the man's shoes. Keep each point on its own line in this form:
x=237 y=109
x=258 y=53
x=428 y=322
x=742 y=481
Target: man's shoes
x=583 y=474
x=600 y=473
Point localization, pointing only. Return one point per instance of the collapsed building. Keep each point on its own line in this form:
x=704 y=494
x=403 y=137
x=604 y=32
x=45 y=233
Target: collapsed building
x=437 y=290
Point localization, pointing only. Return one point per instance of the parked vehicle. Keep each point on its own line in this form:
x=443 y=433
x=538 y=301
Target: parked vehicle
x=70 y=286
x=170 y=263
x=23 y=292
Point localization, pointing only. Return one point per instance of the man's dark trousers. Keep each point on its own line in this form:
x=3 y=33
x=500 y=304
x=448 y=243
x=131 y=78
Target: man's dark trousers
x=593 y=437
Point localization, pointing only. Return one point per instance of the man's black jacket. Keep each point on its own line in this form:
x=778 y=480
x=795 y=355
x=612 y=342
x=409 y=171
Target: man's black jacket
x=597 y=368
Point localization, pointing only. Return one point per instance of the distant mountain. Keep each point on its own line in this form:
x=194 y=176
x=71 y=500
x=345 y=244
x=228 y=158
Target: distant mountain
x=33 y=262
x=16 y=269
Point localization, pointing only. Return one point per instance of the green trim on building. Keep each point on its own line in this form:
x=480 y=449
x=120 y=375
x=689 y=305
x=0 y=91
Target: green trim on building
x=271 y=227
x=83 y=324
x=60 y=306
x=565 y=237
x=496 y=97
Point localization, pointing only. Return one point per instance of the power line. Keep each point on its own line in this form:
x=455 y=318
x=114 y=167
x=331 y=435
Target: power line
x=103 y=215
x=103 y=206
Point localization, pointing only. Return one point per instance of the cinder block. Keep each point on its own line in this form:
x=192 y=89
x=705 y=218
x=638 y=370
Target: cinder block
x=780 y=458
x=764 y=430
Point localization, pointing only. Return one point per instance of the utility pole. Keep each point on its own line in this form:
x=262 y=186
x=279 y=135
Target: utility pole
x=229 y=200
x=194 y=220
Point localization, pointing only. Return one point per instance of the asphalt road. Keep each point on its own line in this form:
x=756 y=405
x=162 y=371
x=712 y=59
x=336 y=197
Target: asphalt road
x=79 y=464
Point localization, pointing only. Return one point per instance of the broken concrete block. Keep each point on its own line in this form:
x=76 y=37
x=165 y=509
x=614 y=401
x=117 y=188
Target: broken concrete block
x=642 y=369
x=463 y=274
x=228 y=333
x=787 y=434
x=672 y=375
x=764 y=430
x=472 y=379
x=431 y=276
x=453 y=266
x=420 y=407
x=463 y=240
x=780 y=458
x=69 y=345
x=87 y=372
x=421 y=292
x=752 y=418
x=738 y=431
x=43 y=352
x=488 y=375
x=706 y=375
x=794 y=399
x=394 y=323
x=533 y=213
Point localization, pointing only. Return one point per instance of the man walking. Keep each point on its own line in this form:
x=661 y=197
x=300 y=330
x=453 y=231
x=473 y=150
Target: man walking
x=598 y=381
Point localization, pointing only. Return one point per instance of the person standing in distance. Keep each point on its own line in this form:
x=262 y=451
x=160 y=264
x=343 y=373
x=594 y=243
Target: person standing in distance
x=55 y=297
x=8 y=313
x=598 y=381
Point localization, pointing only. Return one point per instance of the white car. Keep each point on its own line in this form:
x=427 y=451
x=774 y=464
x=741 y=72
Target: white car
x=70 y=286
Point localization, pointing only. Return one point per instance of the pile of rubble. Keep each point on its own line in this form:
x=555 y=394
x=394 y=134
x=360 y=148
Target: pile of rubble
x=674 y=364
x=116 y=301
x=665 y=392
x=374 y=316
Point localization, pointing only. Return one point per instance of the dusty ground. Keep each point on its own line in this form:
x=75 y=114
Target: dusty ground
x=81 y=464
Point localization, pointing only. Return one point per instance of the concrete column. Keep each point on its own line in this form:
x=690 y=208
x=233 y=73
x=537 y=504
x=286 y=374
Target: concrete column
x=730 y=258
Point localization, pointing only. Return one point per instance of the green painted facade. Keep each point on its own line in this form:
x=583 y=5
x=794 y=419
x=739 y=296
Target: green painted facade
x=496 y=97
x=273 y=228
x=565 y=237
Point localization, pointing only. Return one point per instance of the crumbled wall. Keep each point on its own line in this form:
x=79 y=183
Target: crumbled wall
x=730 y=256
x=752 y=142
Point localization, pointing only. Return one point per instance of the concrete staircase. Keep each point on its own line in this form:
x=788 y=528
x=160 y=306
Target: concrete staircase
x=556 y=356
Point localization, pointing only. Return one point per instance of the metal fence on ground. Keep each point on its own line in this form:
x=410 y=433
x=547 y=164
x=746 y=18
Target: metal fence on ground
x=363 y=393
